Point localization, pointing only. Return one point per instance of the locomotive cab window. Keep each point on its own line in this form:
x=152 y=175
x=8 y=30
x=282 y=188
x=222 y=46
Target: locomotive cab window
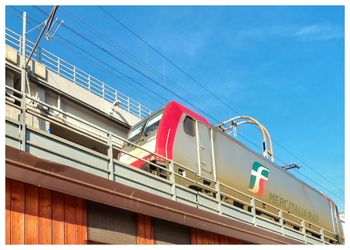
x=135 y=133
x=152 y=124
x=189 y=126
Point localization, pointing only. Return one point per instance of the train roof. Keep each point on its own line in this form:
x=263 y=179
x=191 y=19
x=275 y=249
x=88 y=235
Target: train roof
x=177 y=106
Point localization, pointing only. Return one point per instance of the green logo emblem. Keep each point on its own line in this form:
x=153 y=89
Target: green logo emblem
x=258 y=176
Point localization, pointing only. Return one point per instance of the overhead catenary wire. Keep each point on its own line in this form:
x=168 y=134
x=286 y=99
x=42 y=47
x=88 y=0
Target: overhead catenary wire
x=168 y=100
x=85 y=38
x=253 y=143
x=137 y=71
x=309 y=167
x=113 y=71
x=168 y=60
x=213 y=118
x=114 y=44
x=202 y=86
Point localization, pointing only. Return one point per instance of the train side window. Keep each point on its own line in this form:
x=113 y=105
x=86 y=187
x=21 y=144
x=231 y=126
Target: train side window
x=189 y=126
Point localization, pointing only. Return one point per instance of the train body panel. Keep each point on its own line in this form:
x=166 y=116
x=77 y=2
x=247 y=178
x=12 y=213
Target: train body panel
x=248 y=172
x=191 y=141
x=185 y=146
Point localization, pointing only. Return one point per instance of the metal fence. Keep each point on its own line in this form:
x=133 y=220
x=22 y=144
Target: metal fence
x=77 y=76
x=174 y=184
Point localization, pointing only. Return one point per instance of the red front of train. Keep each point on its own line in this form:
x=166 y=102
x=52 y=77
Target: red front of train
x=157 y=134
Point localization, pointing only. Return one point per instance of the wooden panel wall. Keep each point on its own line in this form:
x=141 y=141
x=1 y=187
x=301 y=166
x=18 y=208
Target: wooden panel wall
x=36 y=215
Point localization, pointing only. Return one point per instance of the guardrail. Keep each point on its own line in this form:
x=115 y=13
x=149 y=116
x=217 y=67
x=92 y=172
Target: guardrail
x=77 y=76
x=173 y=183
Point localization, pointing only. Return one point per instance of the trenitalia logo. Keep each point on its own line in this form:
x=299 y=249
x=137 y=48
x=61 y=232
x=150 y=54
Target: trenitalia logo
x=258 y=176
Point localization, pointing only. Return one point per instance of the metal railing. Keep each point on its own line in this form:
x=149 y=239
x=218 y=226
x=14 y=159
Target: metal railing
x=77 y=76
x=256 y=211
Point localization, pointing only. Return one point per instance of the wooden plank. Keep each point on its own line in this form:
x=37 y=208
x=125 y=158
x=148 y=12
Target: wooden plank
x=8 y=211
x=80 y=219
x=140 y=229
x=149 y=230
x=45 y=216
x=213 y=238
x=69 y=220
x=31 y=214
x=57 y=218
x=210 y=238
x=17 y=212
x=223 y=239
x=216 y=239
x=203 y=237
x=197 y=236
x=234 y=241
x=194 y=236
x=144 y=230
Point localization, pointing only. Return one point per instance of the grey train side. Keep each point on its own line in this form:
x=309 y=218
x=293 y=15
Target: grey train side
x=219 y=154
x=214 y=155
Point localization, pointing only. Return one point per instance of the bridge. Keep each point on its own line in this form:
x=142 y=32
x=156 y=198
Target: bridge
x=64 y=133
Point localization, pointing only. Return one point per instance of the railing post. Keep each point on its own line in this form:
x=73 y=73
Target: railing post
x=252 y=203
x=280 y=214
x=103 y=90
x=139 y=110
x=110 y=157
x=218 y=196
x=116 y=95
x=40 y=52
x=22 y=125
x=89 y=82
x=128 y=103
x=23 y=54
x=322 y=235
x=58 y=66
x=74 y=74
x=303 y=229
x=172 y=180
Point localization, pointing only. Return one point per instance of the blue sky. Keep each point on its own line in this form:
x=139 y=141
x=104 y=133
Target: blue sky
x=282 y=65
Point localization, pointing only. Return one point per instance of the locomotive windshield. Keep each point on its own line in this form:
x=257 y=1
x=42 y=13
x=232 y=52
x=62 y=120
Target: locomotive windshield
x=152 y=124
x=135 y=132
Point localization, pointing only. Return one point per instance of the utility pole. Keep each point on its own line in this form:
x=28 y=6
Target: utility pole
x=22 y=131
x=23 y=54
x=48 y=22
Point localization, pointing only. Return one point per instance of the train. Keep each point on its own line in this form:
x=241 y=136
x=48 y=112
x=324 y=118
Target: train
x=177 y=133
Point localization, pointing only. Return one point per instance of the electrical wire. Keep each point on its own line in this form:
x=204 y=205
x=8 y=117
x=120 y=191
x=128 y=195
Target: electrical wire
x=169 y=60
x=309 y=167
x=97 y=34
x=136 y=70
x=202 y=86
x=213 y=118
x=104 y=63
